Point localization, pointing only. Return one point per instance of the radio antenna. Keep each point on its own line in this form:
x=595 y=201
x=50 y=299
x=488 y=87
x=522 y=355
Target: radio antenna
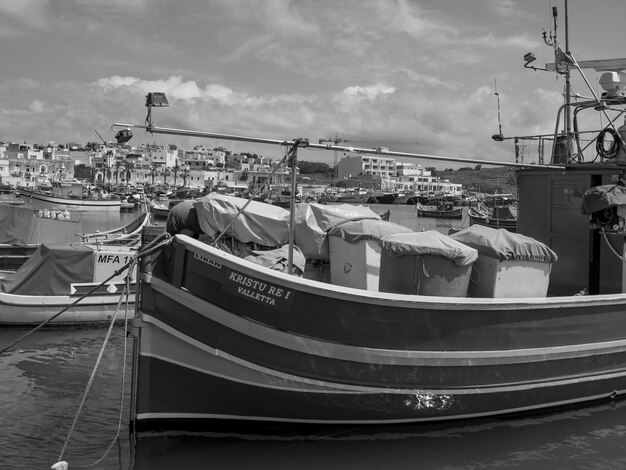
x=499 y=137
x=103 y=141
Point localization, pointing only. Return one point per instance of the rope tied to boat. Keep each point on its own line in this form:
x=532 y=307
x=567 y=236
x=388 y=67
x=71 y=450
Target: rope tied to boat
x=125 y=294
x=160 y=241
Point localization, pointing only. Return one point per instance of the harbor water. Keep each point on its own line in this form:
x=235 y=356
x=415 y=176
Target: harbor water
x=43 y=380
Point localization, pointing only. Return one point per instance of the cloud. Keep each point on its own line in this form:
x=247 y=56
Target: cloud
x=18 y=17
x=36 y=106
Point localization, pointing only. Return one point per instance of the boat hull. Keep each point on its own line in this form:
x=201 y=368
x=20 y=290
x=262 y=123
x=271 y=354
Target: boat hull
x=508 y=224
x=41 y=201
x=226 y=341
x=20 y=310
x=439 y=214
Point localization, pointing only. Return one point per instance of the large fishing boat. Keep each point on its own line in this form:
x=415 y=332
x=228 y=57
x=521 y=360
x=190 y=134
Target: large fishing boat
x=478 y=324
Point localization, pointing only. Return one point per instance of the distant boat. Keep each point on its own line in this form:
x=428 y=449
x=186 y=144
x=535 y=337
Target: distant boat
x=444 y=210
x=494 y=217
x=356 y=196
x=382 y=197
x=161 y=211
x=69 y=195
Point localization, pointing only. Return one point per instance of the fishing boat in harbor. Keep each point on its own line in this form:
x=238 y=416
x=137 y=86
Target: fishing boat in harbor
x=70 y=195
x=445 y=210
x=128 y=234
x=479 y=324
x=496 y=217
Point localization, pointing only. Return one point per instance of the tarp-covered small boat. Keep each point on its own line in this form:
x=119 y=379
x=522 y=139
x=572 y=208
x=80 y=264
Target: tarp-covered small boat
x=55 y=276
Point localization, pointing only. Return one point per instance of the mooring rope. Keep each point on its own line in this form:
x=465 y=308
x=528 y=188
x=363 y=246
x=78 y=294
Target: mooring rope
x=149 y=248
x=95 y=369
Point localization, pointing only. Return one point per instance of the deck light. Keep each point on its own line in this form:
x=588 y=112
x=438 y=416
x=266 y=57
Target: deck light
x=123 y=136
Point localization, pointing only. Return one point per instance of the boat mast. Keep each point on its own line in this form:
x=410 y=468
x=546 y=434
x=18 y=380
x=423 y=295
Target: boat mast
x=568 y=110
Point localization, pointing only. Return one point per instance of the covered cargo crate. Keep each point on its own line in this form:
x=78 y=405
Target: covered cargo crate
x=425 y=263
x=508 y=264
x=355 y=251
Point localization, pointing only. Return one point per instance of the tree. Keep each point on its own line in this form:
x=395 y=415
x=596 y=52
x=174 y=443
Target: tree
x=82 y=172
x=314 y=168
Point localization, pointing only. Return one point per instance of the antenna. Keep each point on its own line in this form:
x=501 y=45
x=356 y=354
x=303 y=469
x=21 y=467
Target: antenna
x=499 y=137
x=103 y=141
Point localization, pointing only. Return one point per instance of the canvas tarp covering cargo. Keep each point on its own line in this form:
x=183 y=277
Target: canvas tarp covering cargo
x=268 y=225
x=504 y=245
x=366 y=229
x=51 y=270
x=16 y=223
x=313 y=221
x=278 y=259
x=600 y=197
x=260 y=223
x=21 y=227
x=430 y=242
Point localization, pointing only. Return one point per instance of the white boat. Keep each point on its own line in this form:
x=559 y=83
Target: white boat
x=56 y=276
x=70 y=196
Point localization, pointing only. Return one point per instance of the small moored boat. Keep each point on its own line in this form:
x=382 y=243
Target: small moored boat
x=55 y=276
x=445 y=210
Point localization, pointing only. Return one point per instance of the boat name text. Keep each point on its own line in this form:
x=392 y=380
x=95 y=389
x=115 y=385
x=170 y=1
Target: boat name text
x=116 y=259
x=208 y=261
x=259 y=291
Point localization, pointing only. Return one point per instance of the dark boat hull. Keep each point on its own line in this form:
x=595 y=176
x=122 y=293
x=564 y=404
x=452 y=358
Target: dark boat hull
x=508 y=224
x=224 y=340
x=455 y=213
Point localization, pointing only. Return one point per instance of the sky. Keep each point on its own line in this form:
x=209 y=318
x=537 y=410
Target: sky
x=415 y=76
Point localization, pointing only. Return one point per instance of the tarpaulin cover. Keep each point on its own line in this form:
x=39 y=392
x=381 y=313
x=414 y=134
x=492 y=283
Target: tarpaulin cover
x=16 y=224
x=504 y=245
x=278 y=259
x=430 y=242
x=51 y=270
x=268 y=225
x=313 y=221
x=259 y=223
x=600 y=197
x=366 y=229
x=19 y=226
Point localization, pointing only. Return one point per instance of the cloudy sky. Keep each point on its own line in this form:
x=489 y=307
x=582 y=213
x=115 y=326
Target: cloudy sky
x=413 y=75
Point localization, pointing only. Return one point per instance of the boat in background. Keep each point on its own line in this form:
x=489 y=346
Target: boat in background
x=445 y=210
x=72 y=196
x=496 y=217
x=161 y=211
x=129 y=234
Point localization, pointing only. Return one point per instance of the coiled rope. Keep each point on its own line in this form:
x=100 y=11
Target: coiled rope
x=614 y=149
